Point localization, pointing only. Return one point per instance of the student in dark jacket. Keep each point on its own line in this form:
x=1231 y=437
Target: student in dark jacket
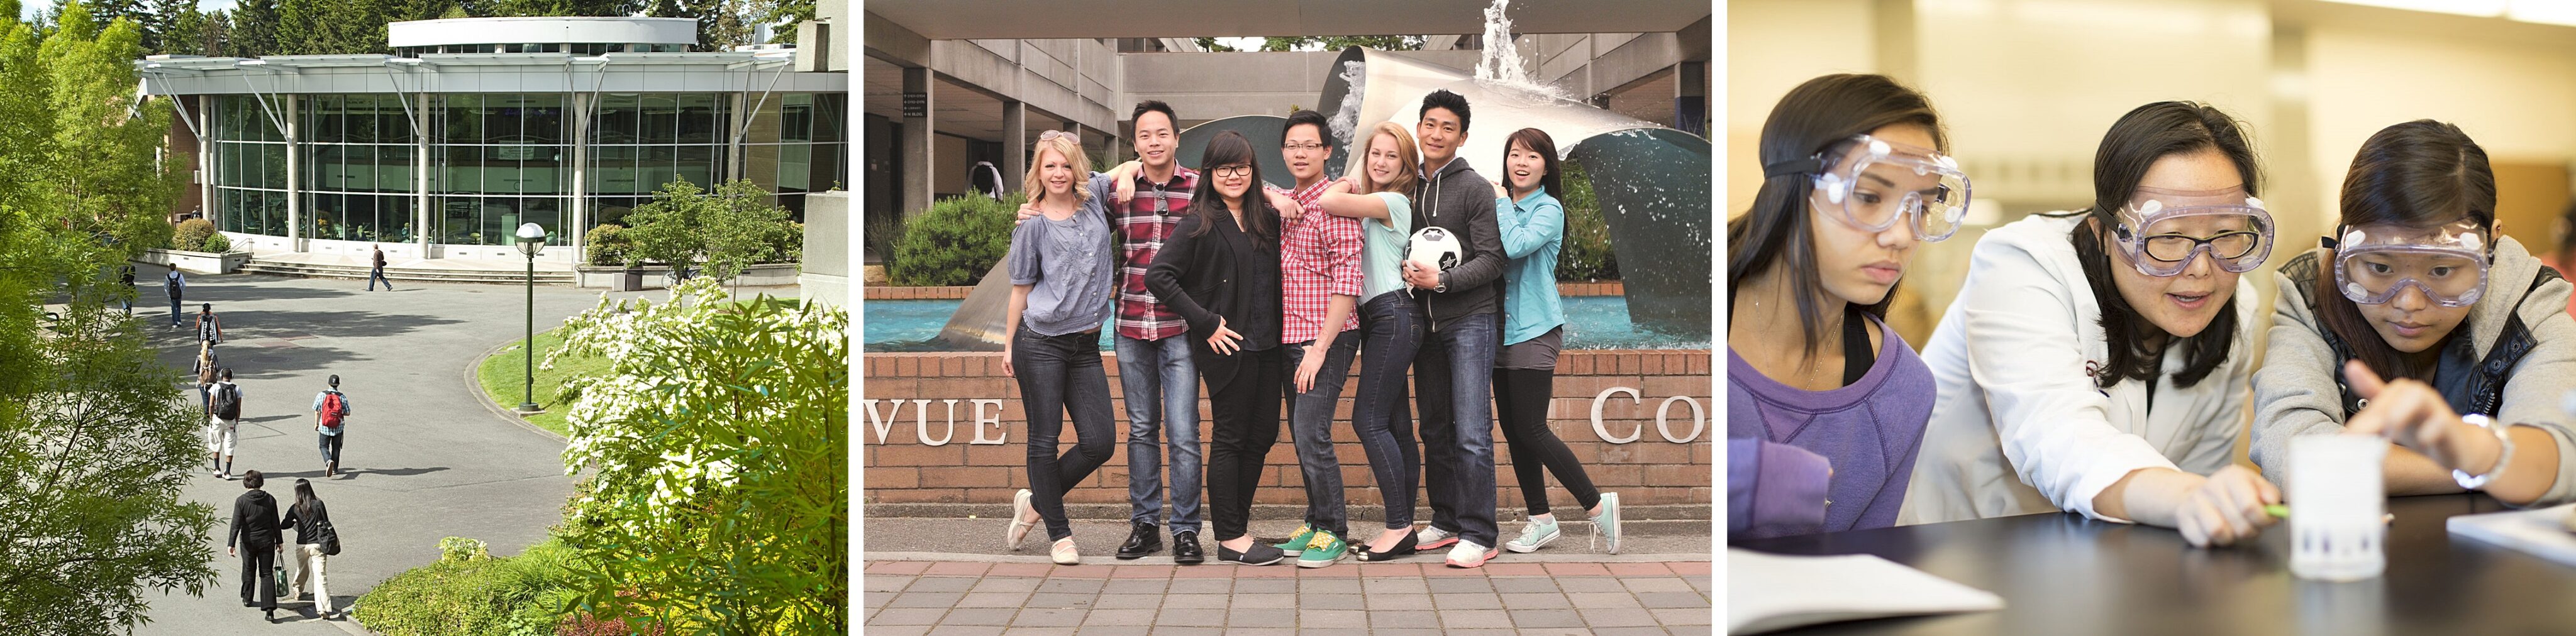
x=1220 y=272
x=308 y=516
x=254 y=537
x=1454 y=371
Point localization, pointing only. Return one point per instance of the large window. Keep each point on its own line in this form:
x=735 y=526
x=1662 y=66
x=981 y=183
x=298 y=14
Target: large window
x=250 y=166
x=640 y=141
x=359 y=168
x=795 y=146
x=501 y=160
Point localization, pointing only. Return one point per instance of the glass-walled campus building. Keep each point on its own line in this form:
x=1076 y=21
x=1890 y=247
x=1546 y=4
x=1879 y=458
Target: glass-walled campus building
x=568 y=123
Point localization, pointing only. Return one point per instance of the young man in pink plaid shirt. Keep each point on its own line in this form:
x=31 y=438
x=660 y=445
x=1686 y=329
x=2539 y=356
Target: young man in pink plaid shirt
x=1319 y=280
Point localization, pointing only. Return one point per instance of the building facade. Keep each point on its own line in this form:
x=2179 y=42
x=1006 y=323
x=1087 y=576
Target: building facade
x=481 y=124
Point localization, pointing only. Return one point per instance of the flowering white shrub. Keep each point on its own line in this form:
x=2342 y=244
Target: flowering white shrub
x=717 y=445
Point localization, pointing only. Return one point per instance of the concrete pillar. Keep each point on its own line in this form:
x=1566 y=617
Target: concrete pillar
x=422 y=214
x=916 y=155
x=1015 y=143
x=206 y=200
x=1690 y=97
x=577 y=211
x=294 y=177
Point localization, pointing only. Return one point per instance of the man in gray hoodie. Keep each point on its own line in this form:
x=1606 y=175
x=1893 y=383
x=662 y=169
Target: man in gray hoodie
x=1455 y=368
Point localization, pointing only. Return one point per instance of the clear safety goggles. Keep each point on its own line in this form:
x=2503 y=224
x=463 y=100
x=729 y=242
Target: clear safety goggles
x=1872 y=184
x=2163 y=230
x=2374 y=263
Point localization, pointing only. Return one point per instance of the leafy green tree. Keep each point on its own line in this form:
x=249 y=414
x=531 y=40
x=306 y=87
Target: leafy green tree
x=183 y=28
x=97 y=446
x=787 y=14
x=718 y=443
x=724 y=232
x=593 y=8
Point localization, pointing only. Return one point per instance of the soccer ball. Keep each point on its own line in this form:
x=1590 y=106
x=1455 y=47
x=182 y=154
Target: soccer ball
x=1436 y=246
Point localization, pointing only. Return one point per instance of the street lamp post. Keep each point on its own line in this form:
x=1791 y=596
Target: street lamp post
x=531 y=240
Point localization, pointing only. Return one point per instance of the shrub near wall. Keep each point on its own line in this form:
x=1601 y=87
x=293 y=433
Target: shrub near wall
x=470 y=592
x=955 y=241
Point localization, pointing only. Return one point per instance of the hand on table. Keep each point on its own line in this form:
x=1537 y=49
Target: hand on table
x=2226 y=507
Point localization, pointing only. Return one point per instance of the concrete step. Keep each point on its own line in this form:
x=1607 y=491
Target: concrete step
x=311 y=270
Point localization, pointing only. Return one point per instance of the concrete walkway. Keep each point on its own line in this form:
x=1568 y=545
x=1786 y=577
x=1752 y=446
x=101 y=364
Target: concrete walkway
x=425 y=457
x=951 y=576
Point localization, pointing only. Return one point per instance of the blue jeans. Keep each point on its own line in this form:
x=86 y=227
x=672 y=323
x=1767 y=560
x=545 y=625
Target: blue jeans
x=330 y=445
x=1455 y=372
x=174 y=312
x=1161 y=386
x=378 y=274
x=1391 y=323
x=1310 y=425
x=1057 y=375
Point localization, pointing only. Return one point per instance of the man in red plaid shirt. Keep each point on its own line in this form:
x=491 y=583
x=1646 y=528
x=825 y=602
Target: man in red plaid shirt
x=1319 y=278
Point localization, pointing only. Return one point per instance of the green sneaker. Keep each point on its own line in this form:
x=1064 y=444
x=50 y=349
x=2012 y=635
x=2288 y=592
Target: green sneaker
x=1325 y=549
x=1296 y=544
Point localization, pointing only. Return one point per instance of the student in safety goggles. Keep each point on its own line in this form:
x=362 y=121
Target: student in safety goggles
x=1871 y=184
x=2163 y=230
x=2421 y=311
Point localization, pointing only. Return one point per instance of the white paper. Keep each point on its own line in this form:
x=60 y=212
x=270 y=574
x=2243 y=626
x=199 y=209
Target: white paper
x=1766 y=592
x=2541 y=532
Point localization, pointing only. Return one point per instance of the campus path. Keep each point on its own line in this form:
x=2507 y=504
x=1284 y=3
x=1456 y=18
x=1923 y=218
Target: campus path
x=424 y=459
x=949 y=576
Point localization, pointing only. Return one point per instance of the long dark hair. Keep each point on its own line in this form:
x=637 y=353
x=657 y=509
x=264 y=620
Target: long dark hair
x=305 y=501
x=1537 y=141
x=1259 y=221
x=1776 y=231
x=2133 y=145
x=2421 y=174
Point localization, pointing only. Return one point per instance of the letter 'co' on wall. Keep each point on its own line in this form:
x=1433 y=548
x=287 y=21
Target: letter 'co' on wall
x=987 y=419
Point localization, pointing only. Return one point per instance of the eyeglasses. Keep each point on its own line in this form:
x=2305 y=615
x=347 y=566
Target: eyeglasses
x=1239 y=170
x=1308 y=147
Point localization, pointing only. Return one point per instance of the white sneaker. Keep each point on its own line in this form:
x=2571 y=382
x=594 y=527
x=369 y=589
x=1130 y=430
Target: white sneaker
x=1064 y=553
x=1469 y=555
x=1433 y=538
x=1606 y=524
x=1533 y=536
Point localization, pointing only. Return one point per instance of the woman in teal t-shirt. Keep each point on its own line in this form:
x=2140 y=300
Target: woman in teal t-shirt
x=1533 y=227
x=1391 y=323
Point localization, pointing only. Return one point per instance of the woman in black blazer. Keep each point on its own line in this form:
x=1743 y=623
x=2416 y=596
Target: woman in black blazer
x=1220 y=272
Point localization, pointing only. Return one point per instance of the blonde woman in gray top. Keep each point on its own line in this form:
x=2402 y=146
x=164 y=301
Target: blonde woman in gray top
x=1060 y=265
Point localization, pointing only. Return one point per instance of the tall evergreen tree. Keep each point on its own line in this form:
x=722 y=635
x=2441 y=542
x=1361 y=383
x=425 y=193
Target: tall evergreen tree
x=254 y=29
x=184 y=29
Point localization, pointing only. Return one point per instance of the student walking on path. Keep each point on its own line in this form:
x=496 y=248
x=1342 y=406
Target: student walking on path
x=210 y=330
x=377 y=273
x=331 y=418
x=255 y=538
x=223 y=429
x=315 y=542
x=174 y=285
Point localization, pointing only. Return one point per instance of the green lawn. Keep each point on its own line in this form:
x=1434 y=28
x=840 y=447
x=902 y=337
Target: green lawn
x=503 y=378
x=503 y=375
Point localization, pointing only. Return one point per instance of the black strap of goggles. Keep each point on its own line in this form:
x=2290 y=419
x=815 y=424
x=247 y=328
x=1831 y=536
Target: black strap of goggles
x=1793 y=166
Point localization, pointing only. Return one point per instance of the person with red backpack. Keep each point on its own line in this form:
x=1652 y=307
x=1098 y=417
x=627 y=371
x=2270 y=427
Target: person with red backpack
x=223 y=430
x=331 y=418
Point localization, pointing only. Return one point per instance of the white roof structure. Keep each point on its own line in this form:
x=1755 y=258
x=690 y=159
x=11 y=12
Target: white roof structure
x=542 y=30
x=763 y=71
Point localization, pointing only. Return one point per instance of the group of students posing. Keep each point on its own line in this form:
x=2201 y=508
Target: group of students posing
x=1269 y=296
x=2099 y=361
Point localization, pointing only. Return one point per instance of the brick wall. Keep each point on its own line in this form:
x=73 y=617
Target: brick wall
x=890 y=292
x=1650 y=471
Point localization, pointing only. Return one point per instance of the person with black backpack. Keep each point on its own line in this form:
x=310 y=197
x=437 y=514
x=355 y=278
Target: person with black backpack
x=210 y=330
x=315 y=542
x=174 y=285
x=223 y=430
x=331 y=418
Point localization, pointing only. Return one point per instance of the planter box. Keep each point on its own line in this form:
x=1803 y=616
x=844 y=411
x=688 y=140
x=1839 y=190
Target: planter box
x=615 y=278
x=196 y=262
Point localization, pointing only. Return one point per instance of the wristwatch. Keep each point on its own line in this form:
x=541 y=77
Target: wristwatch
x=2503 y=455
x=1443 y=287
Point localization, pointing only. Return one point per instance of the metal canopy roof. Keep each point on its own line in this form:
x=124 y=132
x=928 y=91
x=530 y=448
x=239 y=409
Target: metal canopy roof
x=1044 y=19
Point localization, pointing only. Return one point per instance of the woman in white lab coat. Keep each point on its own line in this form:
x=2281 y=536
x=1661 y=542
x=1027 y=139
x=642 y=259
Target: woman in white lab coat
x=2096 y=361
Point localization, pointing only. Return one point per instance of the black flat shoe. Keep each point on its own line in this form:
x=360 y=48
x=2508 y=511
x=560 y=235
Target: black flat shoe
x=1260 y=554
x=1185 y=548
x=1143 y=540
x=1402 y=547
